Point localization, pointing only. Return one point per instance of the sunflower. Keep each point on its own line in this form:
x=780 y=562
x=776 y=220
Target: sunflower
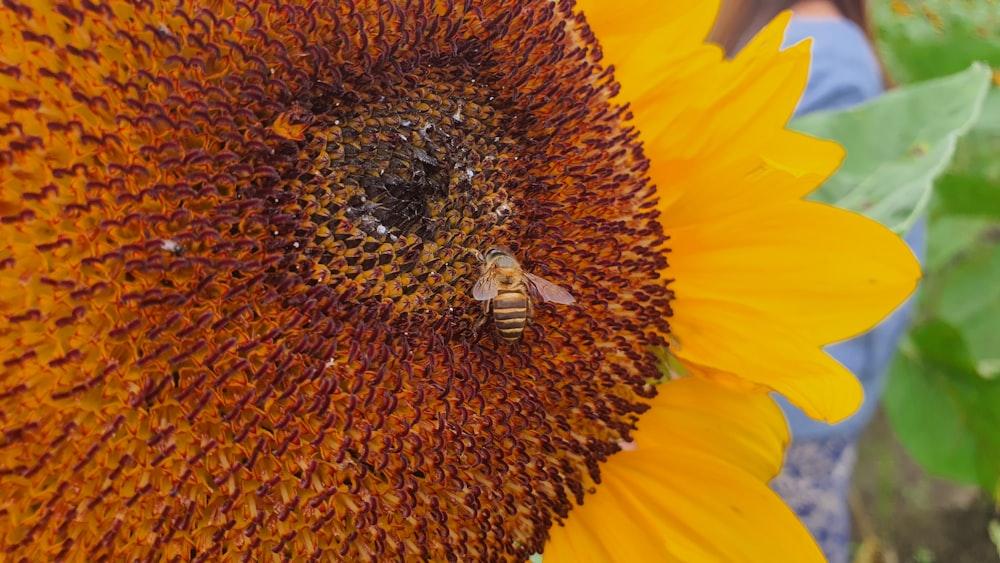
x=760 y=280
x=238 y=242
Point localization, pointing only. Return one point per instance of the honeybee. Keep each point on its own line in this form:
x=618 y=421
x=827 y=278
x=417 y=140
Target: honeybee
x=508 y=290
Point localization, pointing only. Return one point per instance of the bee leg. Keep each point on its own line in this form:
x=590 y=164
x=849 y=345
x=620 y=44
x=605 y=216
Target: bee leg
x=529 y=320
x=476 y=326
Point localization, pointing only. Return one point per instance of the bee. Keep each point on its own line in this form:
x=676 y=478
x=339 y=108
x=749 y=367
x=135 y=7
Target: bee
x=508 y=290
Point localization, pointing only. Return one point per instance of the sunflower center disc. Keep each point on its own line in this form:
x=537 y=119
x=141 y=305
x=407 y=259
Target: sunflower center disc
x=252 y=235
x=394 y=178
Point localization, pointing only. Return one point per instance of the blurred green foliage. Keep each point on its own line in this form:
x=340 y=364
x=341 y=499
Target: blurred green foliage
x=931 y=147
x=943 y=394
x=923 y=39
x=903 y=152
x=892 y=158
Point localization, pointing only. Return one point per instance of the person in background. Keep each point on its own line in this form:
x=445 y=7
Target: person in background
x=845 y=72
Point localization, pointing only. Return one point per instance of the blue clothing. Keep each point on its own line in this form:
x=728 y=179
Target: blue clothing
x=844 y=73
x=844 y=70
x=816 y=475
x=814 y=482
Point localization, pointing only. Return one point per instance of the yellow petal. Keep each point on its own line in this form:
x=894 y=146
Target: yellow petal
x=679 y=501
x=692 y=20
x=648 y=41
x=761 y=279
x=732 y=338
x=746 y=430
x=703 y=159
x=826 y=273
x=681 y=506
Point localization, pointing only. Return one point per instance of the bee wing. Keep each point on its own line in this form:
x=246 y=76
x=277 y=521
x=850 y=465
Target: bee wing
x=547 y=291
x=486 y=287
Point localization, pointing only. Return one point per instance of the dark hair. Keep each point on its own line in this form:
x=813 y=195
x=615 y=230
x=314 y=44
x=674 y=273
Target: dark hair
x=740 y=20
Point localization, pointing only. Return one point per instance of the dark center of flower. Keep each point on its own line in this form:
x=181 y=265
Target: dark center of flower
x=253 y=231
x=400 y=182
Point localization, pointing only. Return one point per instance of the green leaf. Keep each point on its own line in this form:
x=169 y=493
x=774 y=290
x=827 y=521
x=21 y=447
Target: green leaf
x=939 y=38
x=967 y=296
x=989 y=119
x=961 y=194
x=945 y=414
x=948 y=239
x=898 y=144
x=972 y=185
x=943 y=395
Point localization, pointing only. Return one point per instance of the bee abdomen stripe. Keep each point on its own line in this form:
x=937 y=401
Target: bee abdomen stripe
x=510 y=333
x=510 y=324
x=509 y=313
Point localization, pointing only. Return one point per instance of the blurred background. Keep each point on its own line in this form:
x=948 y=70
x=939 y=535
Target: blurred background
x=927 y=483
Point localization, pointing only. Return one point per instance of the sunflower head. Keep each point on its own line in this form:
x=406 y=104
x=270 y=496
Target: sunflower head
x=237 y=253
